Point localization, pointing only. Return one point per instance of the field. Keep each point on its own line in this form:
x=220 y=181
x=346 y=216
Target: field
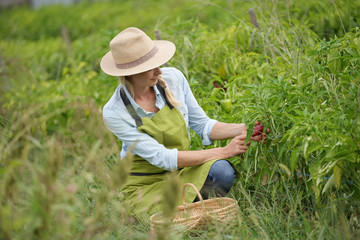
x=294 y=65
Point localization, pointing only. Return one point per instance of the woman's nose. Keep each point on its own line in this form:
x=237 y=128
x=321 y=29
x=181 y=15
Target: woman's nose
x=158 y=71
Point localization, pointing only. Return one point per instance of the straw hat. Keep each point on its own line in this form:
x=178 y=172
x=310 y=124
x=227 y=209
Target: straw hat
x=132 y=52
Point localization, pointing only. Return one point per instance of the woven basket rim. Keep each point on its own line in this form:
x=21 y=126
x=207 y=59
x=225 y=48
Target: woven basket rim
x=211 y=200
x=205 y=208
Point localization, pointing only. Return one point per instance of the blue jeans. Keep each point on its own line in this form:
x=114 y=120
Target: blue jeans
x=219 y=180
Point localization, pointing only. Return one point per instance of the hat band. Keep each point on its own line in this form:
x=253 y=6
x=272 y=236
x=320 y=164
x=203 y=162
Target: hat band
x=138 y=61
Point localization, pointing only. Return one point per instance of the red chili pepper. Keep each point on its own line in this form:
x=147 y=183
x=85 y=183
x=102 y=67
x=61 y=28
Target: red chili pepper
x=218 y=85
x=258 y=129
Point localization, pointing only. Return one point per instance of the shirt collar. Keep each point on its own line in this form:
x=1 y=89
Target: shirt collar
x=132 y=101
x=157 y=92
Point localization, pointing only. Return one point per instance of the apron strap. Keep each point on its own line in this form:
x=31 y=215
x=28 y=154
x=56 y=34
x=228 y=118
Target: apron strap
x=146 y=174
x=130 y=108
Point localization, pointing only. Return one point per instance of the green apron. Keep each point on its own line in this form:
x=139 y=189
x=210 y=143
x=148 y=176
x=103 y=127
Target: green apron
x=144 y=187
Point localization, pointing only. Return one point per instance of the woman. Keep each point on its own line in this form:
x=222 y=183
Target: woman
x=153 y=108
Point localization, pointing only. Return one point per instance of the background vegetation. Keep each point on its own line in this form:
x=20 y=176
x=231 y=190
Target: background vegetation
x=295 y=67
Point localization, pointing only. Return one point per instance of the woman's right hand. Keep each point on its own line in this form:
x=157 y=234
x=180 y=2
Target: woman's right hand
x=236 y=146
x=196 y=157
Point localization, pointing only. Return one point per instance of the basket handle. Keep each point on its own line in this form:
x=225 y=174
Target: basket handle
x=196 y=190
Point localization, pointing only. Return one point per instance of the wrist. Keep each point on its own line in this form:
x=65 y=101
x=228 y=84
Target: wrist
x=243 y=128
x=222 y=153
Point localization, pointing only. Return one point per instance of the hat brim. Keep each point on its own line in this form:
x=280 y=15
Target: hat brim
x=166 y=51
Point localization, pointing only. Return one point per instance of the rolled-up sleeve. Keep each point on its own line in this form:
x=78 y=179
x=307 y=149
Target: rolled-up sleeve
x=145 y=146
x=206 y=140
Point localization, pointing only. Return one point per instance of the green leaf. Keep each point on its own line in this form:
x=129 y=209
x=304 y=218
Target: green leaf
x=337 y=175
x=285 y=168
x=296 y=130
x=222 y=71
x=329 y=184
x=306 y=145
x=294 y=158
x=249 y=133
x=215 y=92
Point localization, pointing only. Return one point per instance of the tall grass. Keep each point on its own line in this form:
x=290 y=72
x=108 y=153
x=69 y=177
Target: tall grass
x=52 y=185
x=60 y=171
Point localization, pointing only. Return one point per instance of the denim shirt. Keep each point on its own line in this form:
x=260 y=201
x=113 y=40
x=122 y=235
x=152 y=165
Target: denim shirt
x=118 y=120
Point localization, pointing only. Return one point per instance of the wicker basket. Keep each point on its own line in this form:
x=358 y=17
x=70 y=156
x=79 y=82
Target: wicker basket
x=197 y=215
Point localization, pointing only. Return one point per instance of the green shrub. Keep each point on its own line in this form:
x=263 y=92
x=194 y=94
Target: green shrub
x=59 y=167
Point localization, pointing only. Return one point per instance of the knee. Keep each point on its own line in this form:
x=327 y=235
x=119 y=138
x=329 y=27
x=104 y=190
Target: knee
x=219 y=180
x=223 y=173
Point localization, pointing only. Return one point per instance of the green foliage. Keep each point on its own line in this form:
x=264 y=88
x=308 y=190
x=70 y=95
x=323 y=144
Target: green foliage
x=297 y=72
x=327 y=18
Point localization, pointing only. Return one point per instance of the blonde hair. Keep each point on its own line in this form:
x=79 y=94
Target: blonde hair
x=169 y=95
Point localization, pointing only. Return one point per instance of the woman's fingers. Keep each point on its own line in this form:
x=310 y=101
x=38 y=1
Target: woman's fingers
x=237 y=146
x=241 y=136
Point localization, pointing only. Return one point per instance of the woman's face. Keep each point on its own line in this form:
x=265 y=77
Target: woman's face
x=146 y=79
